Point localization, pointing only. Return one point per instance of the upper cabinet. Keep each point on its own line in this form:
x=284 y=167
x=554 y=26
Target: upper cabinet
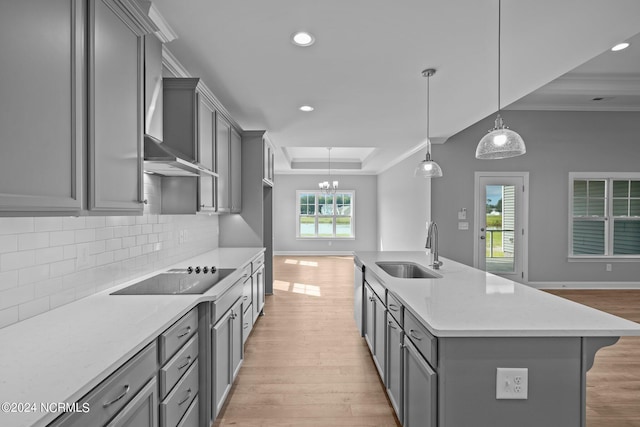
x=116 y=104
x=236 y=171
x=71 y=142
x=223 y=149
x=207 y=153
x=42 y=96
x=268 y=160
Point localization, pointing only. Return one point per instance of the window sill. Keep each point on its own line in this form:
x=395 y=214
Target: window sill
x=612 y=258
x=325 y=238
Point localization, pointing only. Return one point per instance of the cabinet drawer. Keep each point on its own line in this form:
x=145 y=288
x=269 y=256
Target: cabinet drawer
x=192 y=417
x=426 y=343
x=177 y=335
x=220 y=306
x=171 y=373
x=246 y=271
x=177 y=402
x=247 y=322
x=256 y=263
x=108 y=398
x=246 y=293
x=375 y=284
x=395 y=308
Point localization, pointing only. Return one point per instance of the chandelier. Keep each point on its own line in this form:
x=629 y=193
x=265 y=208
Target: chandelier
x=328 y=187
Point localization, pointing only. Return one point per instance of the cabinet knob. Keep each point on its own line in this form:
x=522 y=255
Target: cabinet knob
x=205 y=269
x=197 y=269
x=202 y=205
x=145 y=201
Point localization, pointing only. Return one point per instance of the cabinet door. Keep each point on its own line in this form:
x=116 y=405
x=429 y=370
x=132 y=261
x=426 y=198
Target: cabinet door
x=142 y=411
x=116 y=107
x=419 y=389
x=394 y=365
x=258 y=297
x=223 y=135
x=237 y=343
x=379 y=341
x=236 y=171
x=206 y=154
x=42 y=92
x=221 y=353
x=369 y=317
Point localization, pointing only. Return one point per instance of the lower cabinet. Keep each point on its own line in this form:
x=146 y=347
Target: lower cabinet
x=258 y=296
x=142 y=411
x=394 y=355
x=420 y=382
x=375 y=328
x=226 y=339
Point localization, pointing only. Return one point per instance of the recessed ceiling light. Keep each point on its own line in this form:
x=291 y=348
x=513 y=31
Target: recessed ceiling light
x=306 y=108
x=620 y=46
x=302 y=38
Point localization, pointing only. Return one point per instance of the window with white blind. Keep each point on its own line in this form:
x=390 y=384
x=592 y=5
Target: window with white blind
x=604 y=217
x=325 y=216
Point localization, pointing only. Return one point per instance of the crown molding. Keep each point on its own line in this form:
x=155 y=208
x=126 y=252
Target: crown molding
x=165 y=33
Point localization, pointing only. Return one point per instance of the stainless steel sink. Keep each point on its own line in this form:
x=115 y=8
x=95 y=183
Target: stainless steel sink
x=407 y=270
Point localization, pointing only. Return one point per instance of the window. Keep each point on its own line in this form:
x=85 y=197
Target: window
x=604 y=216
x=322 y=216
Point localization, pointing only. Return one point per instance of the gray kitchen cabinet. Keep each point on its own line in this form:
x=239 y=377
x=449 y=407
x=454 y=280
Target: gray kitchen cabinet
x=236 y=171
x=420 y=382
x=226 y=352
x=394 y=356
x=116 y=32
x=142 y=411
x=223 y=156
x=175 y=405
x=268 y=162
x=258 y=289
x=375 y=328
x=42 y=129
x=206 y=154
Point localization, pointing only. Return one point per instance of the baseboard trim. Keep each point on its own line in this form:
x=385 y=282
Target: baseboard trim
x=584 y=285
x=312 y=253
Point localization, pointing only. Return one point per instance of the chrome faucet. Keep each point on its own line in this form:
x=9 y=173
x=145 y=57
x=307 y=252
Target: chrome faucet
x=432 y=243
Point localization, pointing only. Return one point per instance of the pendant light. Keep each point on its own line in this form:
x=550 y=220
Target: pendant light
x=428 y=168
x=501 y=142
x=325 y=187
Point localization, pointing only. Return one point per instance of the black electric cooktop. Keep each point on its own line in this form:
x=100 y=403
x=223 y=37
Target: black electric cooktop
x=178 y=281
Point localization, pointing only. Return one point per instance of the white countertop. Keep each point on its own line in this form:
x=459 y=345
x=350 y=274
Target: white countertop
x=467 y=302
x=62 y=354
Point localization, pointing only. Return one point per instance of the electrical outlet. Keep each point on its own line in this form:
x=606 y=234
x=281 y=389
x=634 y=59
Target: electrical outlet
x=512 y=383
x=608 y=267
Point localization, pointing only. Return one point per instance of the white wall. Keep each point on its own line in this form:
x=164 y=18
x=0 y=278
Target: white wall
x=40 y=267
x=403 y=207
x=557 y=143
x=284 y=214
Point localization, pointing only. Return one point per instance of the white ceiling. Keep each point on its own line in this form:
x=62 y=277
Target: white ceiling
x=363 y=74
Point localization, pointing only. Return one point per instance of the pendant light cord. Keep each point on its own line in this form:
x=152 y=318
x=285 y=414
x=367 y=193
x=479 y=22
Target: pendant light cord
x=428 y=140
x=499 y=45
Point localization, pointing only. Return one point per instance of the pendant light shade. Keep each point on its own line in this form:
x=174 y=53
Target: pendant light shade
x=501 y=142
x=428 y=168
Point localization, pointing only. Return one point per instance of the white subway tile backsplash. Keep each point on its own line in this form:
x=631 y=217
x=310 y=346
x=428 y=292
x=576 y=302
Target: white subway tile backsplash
x=34 y=307
x=49 y=255
x=8 y=280
x=46 y=262
x=8 y=316
x=60 y=238
x=48 y=224
x=8 y=243
x=17 y=260
x=33 y=241
x=16 y=225
x=32 y=274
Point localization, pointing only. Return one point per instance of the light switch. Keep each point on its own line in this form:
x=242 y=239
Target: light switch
x=462 y=214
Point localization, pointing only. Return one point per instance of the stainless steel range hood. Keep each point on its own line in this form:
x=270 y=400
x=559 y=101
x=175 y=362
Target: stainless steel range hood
x=164 y=160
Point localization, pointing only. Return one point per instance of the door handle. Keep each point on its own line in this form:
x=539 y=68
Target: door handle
x=482 y=237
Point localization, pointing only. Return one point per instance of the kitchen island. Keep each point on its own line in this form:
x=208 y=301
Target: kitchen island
x=61 y=355
x=462 y=333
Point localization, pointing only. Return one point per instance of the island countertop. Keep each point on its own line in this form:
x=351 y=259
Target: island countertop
x=60 y=355
x=467 y=302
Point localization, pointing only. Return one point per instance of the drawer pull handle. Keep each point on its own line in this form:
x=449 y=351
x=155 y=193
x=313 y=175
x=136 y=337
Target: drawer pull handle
x=246 y=325
x=186 y=398
x=245 y=298
x=185 y=364
x=414 y=335
x=186 y=332
x=124 y=393
x=393 y=307
x=391 y=325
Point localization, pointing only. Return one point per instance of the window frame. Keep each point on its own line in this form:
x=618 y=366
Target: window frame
x=608 y=219
x=334 y=216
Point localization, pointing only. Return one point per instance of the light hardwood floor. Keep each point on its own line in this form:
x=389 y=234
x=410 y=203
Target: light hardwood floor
x=306 y=365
